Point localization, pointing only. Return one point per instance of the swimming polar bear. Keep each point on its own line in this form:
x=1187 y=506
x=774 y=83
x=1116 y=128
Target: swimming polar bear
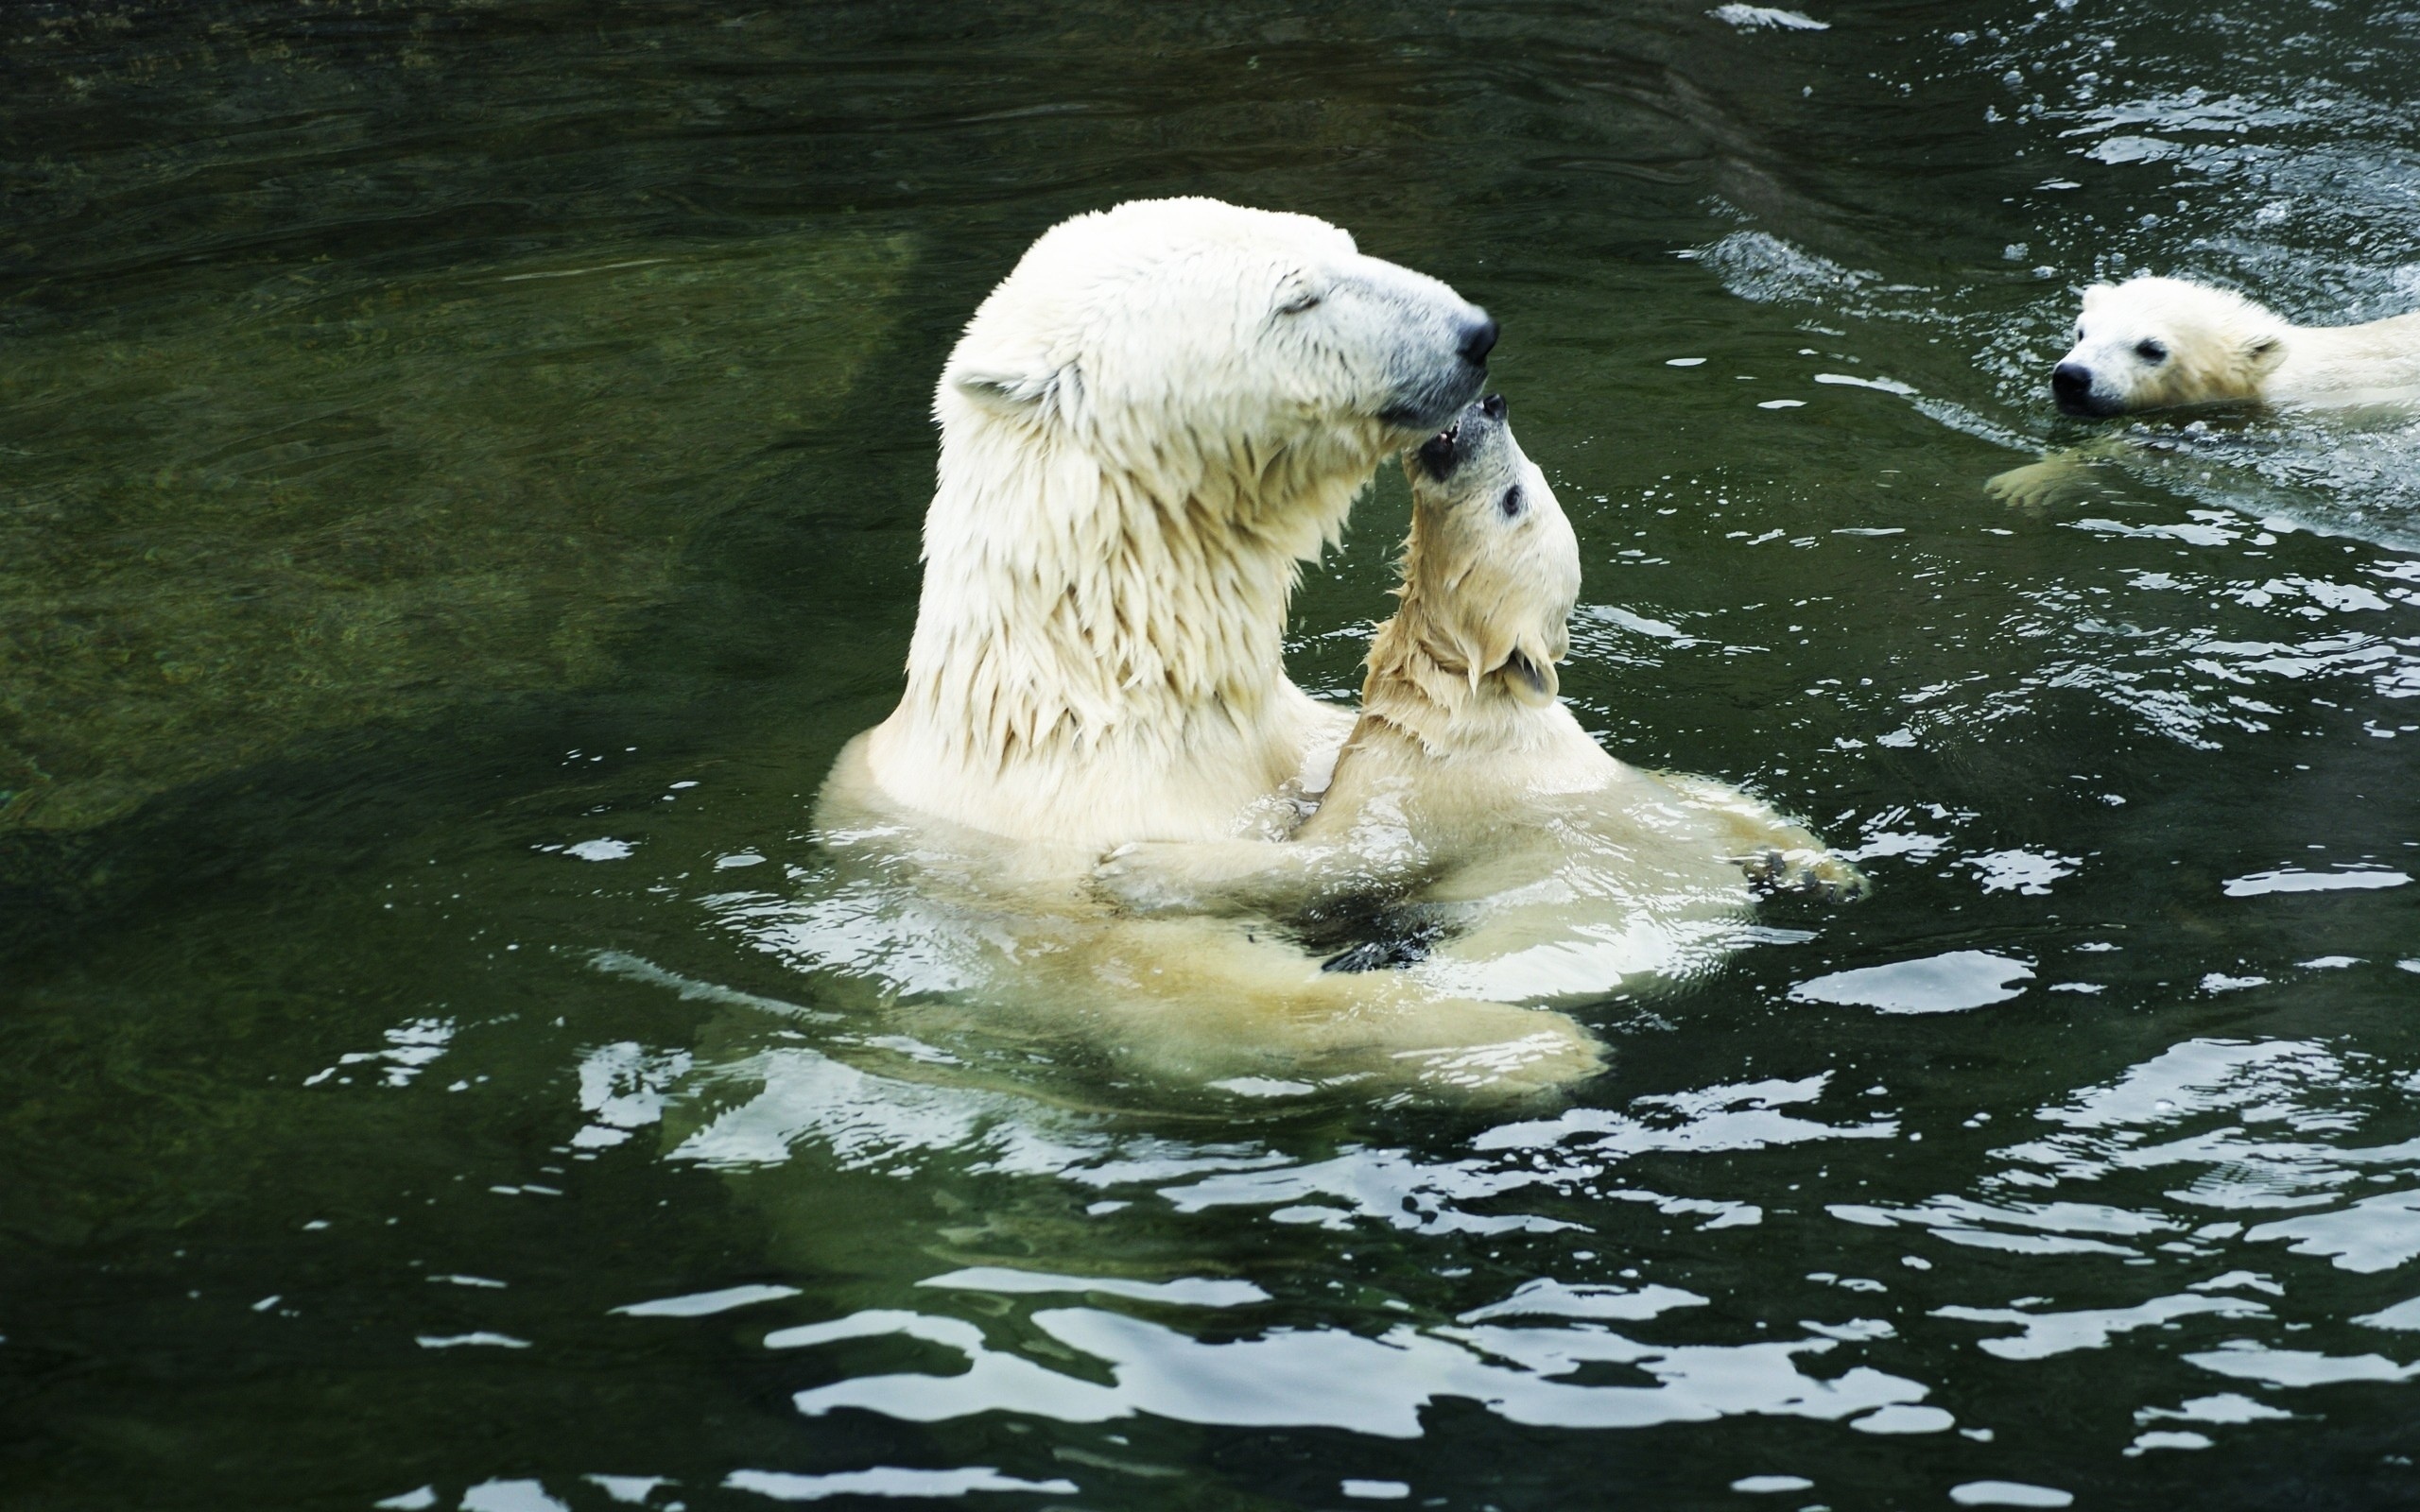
x=1469 y=791
x=2165 y=343
x=2158 y=343
x=1149 y=426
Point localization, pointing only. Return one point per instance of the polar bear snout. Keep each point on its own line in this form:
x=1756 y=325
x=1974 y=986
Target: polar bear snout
x=1467 y=436
x=1432 y=384
x=1438 y=342
x=1479 y=339
x=2071 y=387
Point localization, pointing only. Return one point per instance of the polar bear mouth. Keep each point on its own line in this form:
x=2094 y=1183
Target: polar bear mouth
x=1443 y=453
x=1437 y=455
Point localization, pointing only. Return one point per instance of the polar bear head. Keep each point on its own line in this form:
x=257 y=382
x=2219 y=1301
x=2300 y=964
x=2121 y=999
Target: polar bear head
x=2154 y=343
x=1492 y=570
x=1194 y=348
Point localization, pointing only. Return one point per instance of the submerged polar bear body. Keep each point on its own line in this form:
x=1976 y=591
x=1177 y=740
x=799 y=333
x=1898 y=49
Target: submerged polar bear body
x=1153 y=420
x=2159 y=343
x=1469 y=794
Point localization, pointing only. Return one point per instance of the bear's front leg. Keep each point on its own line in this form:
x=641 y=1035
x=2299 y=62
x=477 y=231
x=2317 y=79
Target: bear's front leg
x=2061 y=478
x=1257 y=876
x=1824 y=875
x=1778 y=854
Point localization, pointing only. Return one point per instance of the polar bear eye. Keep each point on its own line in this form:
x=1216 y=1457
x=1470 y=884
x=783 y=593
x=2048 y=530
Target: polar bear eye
x=2151 y=351
x=1510 y=503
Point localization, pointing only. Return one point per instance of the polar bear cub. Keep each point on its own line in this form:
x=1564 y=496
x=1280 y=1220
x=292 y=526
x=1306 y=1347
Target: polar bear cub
x=1469 y=788
x=2155 y=343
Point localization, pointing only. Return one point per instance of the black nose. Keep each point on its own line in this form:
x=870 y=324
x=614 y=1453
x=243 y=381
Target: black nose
x=1477 y=341
x=1492 y=406
x=2070 y=381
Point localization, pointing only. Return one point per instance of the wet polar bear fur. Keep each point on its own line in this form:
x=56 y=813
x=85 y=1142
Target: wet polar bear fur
x=1150 y=424
x=2162 y=343
x=1147 y=427
x=1469 y=788
x=2159 y=343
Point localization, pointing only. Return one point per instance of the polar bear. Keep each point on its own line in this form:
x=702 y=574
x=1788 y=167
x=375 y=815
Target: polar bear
x=2162 y=343
x=1468 y=788
x=2157 y=343
x=1148 y=426
x=1161 y=413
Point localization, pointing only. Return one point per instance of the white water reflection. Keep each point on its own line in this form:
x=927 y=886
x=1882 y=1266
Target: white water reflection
x=2293 y=879
x=2253 y=1360
x=858 y=1120
x=2375 y=1233
x=2049 y=1334
x=2044 y=1228
x=862 y=1121
x=2009 y=1493
x=1187 y=1292
x=2293 y=1087
x=889 y=1480
x=1950 y=983
x=1330 y=1378
x=2250 y=1127
x=1552 y=1298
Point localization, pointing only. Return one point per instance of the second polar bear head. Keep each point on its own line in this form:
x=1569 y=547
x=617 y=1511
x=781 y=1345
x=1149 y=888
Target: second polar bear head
x=1493 y=569
x=2157 y=343
x=1178 y=341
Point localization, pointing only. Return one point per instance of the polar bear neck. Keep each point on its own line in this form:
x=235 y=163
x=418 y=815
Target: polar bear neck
x=2377 y=363
x=1420 y=682
x=1127 y=621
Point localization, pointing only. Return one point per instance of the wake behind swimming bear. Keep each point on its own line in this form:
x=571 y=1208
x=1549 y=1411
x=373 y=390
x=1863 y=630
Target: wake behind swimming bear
x=1469 y=787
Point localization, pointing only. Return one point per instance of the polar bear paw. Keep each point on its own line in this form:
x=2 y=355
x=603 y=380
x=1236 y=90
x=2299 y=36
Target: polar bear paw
x=2058 y=480
x=2036 y=486
x=1149 y=877
x=1824 y=875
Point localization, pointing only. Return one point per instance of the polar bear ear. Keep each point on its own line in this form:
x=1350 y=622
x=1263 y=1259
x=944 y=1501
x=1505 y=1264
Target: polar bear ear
x=1010 y=390
x=2264 y=352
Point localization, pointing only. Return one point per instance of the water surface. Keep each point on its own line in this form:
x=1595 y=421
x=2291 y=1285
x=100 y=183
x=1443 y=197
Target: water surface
x=459 y=474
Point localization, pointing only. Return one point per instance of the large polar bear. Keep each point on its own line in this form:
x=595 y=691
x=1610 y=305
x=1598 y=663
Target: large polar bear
x=1153 y=420
x=2157 y=343
x=1158 y=415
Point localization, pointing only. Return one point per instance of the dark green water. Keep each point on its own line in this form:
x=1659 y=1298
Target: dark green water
x=437 y=439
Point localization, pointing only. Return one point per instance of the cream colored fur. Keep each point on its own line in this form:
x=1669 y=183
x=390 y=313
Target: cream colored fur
x=1147 y=427
x=2217 y=347
x=2162 y=343
x=927 y=908
x=1161 y=413
x=1470 y=792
